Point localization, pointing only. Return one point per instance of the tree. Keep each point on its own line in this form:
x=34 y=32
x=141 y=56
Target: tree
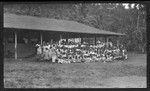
x=106 y=16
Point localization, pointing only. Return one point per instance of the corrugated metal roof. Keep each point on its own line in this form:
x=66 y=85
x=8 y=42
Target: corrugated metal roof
x=45 y=24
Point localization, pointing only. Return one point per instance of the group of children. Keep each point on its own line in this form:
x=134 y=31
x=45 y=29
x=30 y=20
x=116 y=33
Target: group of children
x=79 y=53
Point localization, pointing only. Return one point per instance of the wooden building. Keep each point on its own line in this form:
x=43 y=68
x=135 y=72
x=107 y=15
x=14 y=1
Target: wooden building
x=40 y=28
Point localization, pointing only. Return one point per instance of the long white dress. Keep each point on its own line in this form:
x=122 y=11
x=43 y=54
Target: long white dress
x=52 y=54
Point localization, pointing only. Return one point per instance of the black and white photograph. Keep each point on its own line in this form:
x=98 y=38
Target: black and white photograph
x=74 y=45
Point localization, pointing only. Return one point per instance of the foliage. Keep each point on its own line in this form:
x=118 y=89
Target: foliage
x=107 y=16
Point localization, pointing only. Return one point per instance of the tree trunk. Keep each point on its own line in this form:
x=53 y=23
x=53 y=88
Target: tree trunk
x=137 y=27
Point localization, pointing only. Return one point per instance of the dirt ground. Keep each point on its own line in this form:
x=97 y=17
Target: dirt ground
x=28 y=73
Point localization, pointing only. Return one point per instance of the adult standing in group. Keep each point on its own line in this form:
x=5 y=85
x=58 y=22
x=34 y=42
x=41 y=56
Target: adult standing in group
x=52 y=53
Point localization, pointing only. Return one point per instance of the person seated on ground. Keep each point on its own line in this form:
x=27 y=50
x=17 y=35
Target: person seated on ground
x=103 y=58
x=88 y=59
x=109 y=58
x=73 y=60
x=70 y=58
x=82 y=59
x=68 y=61
x=79 y=58
x=94 y=58
x=116 y=52
x=61 y=60
x=99 y=57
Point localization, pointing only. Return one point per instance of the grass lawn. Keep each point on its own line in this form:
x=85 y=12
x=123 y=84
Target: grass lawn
x=28 y=73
